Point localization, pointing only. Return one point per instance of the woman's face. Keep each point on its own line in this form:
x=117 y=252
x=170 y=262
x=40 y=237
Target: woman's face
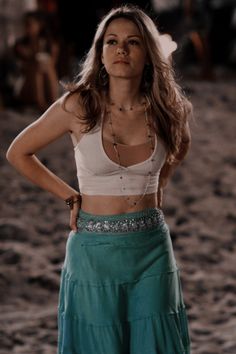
x=123 y=53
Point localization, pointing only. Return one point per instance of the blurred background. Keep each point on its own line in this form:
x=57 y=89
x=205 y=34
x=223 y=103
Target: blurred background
x=41 y=44
x=60 y=35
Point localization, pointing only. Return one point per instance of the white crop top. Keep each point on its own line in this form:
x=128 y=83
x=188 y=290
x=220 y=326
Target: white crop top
x=99 y=175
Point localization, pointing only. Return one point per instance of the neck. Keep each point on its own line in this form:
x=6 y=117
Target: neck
x=124 y=93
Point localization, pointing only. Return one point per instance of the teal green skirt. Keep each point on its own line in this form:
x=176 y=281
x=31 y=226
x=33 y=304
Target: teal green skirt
x=120 y=290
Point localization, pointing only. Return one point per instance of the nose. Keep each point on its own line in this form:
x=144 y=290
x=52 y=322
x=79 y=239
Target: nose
x=121 y=50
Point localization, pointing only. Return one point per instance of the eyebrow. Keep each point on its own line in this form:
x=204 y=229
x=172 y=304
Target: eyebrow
x=132 y=35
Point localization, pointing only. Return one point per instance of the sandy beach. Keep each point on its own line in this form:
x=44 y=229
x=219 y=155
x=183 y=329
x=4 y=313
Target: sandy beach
x=199 y=206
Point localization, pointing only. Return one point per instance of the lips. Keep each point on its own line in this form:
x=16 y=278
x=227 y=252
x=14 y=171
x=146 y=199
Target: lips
x=121 y=62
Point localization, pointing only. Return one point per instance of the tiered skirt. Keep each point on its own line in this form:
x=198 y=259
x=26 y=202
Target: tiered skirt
x=120 y=291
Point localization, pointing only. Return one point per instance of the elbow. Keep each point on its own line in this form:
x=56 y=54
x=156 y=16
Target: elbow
x=14 y=156
x=11 y=156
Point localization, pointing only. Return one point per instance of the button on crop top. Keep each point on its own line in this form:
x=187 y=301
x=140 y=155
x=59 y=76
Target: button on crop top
x=99 y=175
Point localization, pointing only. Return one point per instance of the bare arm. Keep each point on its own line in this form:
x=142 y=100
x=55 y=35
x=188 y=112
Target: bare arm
x=167 y=169
x=54 y=123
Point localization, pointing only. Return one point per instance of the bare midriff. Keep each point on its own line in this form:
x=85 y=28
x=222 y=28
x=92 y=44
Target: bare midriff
x=106 y=204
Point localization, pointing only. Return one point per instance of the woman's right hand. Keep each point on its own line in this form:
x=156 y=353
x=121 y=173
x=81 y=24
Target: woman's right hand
x=74 y=213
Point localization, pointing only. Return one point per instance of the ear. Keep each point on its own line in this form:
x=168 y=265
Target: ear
x=102 y=59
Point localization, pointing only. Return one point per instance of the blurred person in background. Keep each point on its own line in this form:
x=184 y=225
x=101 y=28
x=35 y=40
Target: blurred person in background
x=189 y=22
x=37 y=54
x=120 y=284
x=197 y=25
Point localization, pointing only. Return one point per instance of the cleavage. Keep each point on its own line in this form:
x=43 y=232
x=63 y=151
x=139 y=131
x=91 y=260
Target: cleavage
x=129 y=155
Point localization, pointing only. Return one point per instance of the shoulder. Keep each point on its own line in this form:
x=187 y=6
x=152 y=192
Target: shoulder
x=72 y=106
x=72 y=102
x=63 y=112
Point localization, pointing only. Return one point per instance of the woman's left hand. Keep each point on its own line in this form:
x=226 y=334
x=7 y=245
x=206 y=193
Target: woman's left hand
x=159 y=197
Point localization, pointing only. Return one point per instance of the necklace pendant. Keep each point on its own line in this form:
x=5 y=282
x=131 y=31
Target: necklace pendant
x=129 y=200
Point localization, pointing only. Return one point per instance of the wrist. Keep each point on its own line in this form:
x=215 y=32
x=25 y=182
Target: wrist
x=70 y=193
x=72 y=199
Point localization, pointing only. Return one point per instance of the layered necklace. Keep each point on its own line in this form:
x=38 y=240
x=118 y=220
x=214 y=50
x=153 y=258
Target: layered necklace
x=115 y=146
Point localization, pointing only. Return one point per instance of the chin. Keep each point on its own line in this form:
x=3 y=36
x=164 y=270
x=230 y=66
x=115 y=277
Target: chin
x=125 y=74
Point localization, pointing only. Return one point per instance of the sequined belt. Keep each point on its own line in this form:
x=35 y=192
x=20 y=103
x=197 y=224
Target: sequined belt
x=129 y=224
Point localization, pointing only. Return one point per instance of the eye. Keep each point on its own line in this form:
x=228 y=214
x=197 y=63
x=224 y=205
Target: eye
x=134 y=42
x=111 y=41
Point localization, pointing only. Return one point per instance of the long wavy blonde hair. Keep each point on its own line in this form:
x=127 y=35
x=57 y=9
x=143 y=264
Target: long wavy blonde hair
x=168 y=103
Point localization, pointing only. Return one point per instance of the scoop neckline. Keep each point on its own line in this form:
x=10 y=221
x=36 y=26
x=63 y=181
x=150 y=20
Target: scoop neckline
x=110 y=142
x=116 y=164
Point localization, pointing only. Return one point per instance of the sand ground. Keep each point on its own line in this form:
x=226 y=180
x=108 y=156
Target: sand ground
x=199 y=205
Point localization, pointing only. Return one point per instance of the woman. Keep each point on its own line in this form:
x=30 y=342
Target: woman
x=120 y=287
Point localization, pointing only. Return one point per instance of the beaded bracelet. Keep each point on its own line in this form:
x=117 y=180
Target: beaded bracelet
x=71 y=201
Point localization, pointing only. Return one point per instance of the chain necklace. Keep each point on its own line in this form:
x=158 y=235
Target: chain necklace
x=123 y=109
x=132 y=204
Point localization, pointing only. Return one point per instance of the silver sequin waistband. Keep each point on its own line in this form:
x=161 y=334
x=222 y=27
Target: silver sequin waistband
x=127 y=224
